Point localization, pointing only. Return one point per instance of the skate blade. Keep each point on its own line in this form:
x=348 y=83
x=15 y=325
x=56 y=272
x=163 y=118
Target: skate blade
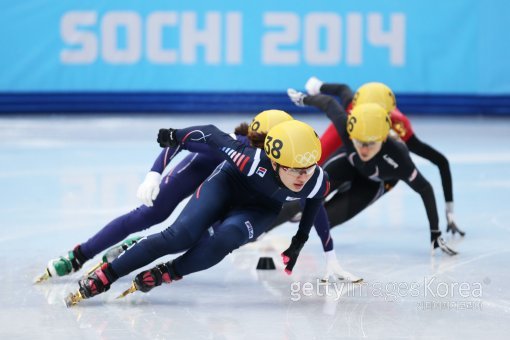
x=43 y=277
x=342 y=280
x=72 y=299
x=354 y=281
x=128 y=291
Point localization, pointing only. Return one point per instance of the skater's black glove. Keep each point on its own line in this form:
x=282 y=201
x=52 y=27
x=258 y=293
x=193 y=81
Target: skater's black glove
x=452 y=227
x=290 y=255
x=167 y=138
x=438 y=242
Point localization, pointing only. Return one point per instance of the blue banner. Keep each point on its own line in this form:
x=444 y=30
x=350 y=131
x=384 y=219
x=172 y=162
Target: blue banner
x=416 y=47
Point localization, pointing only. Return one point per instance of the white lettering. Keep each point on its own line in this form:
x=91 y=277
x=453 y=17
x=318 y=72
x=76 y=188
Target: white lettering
x=131 y=23
x=464 y=290
x=477 y=290
x=307 y=289
x=72 y=34
x=121 y=33
x=354 y=39
x=234 y=38
x=390 y=161
x=394 y=39
x=445 y=287
x=170 y=37
x=209 y=38
x=428 y=286
x=272 y=42
x=331 y=24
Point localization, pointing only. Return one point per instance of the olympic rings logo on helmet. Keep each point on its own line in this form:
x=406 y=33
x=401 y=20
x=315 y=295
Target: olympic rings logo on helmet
x=307 y=158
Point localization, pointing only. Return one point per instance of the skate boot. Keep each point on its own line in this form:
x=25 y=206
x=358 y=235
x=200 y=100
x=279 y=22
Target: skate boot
x=64 y=265
x=438 y=242
x=335 y=272
x=164 y=272
x=148 y=279
x=98 y=282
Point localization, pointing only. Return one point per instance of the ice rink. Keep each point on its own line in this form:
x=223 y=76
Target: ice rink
x=62 y=179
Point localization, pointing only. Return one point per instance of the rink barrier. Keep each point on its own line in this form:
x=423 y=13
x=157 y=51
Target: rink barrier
x=226 y=102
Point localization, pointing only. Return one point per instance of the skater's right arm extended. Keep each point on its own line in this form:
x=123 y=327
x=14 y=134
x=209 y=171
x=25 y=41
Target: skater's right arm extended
x=342 y=91
x=234 y=151
x=327 y=104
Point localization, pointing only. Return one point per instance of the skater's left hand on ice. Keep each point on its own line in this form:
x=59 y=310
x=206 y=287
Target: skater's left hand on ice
x=167 y=138
x=149 y=189
x=290 y=255
x=438 y=242
x=450 y=220
x=454 y=229
x=452 y=226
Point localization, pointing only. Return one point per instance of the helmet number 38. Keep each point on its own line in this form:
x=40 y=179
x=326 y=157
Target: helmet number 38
x=273 y=147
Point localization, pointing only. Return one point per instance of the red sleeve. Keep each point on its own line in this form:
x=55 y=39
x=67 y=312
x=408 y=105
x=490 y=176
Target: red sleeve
x=330 y=141
x=401 y=125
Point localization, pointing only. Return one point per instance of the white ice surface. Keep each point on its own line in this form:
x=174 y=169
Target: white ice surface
x=62 y=179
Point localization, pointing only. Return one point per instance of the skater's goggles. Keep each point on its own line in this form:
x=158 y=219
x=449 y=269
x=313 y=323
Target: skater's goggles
x=295 y=172
x=369 y=145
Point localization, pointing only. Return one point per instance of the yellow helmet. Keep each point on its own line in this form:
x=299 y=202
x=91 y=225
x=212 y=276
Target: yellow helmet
x=368 y=123
x=375 y=93
x=293 y=144
x=265 y=120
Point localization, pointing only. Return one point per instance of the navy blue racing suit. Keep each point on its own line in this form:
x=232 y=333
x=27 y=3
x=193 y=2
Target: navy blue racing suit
x=243 y=192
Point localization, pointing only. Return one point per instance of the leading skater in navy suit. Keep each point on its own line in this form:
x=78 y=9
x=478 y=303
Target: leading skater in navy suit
x=245 y=193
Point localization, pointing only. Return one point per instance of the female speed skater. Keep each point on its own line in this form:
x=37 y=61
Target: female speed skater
x=375 y=92
x=401 y=128
x=160 y=195
x=369 y=163
x=245 y=193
